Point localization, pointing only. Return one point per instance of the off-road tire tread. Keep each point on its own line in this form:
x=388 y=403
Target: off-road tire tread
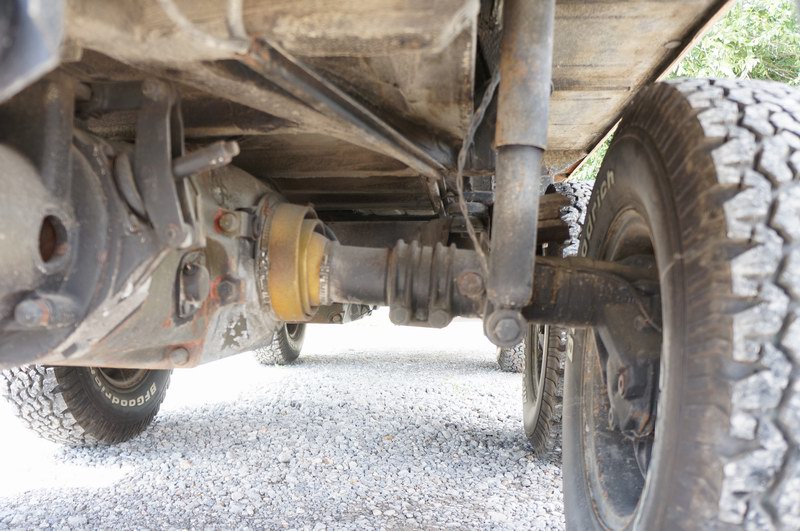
x=279 y=351
x=511 y=359
x=574 y=214
x=550 y=412
x=542 y=437
x=50 y=402
x=739 y=212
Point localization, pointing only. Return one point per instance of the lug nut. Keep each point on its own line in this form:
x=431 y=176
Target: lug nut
x=227 y=291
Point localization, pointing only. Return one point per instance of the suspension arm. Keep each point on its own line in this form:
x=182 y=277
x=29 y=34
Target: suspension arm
x=430 y=285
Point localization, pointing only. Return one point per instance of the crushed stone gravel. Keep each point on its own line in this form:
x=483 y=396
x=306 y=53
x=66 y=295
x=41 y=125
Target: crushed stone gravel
x=375 y=427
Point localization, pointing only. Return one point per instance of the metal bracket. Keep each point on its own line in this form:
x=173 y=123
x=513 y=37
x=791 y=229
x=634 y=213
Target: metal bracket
x=159 y=139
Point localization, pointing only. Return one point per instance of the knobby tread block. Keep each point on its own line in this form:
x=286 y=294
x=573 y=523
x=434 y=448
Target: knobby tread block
x=755 y=127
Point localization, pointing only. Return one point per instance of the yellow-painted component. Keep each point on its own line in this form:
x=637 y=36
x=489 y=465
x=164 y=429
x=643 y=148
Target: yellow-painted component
x=296 y=250
x=314 y=256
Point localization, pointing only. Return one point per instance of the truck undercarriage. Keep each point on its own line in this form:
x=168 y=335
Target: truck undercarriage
x=181 y=178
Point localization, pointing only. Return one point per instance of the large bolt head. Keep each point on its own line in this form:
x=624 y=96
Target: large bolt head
x=505 y=327
x=179 y=356
x=229 y=222
x=470 y=284
x=507 y=330
x=31 y=313
x=154 y=89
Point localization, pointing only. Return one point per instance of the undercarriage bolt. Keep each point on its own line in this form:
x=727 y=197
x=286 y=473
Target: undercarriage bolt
x=45 y=311
x=507 y=329
x=179 y=356
x=229 y=222
x=154 y=89
x=31 y=313
x=470 y=284
x=399 y=315
x=504 y=327
x=227 y=291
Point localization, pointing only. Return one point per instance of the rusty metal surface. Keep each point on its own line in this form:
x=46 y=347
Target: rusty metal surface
x=526 y=57
x=429 y=285
x=523 y=103
x=228 y=321
x=412 y=64
x=269 y=80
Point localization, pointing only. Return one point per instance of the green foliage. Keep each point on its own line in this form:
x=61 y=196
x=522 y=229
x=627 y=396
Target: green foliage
x=756 y=39
x=590 y=167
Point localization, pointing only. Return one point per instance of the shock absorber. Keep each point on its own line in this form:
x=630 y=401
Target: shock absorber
x=521 y=137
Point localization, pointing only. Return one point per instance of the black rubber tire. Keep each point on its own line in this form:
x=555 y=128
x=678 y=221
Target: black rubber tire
x=713 y=167
x=541 y=401
x=285 y=347
x=511 y=359
x=80 y=406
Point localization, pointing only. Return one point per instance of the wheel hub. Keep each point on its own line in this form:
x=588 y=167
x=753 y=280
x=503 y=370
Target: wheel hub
x=123 y=379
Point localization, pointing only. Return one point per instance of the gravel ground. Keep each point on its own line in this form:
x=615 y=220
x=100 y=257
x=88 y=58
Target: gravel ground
x=377 y=427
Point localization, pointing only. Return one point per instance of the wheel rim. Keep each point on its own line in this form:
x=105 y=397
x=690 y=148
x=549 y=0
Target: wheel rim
x=616 y=465
x=123 y=379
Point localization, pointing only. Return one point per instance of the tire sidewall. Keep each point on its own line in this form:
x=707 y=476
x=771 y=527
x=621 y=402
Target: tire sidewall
x=532 y=405
x=293 y=342
x=129 y=406
x=632 y=177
